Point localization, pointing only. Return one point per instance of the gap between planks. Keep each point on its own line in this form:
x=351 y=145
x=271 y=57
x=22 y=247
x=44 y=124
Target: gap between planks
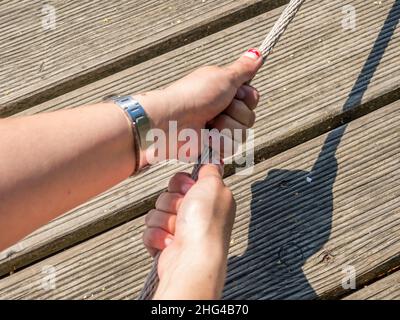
x=387 y=288
x=291 y=237
x=311 y=112
x=88 y=44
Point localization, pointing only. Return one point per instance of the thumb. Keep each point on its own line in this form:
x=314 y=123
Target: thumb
x=211 y=170
x=245 y=68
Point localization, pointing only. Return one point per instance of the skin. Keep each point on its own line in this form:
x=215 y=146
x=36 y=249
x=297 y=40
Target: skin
x=53 y=162
x=192 y=225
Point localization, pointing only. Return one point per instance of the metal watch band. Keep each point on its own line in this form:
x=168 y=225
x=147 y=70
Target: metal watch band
x=138 y=116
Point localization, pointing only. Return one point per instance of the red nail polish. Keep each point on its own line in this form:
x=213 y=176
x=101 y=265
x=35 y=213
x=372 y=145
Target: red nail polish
x=255 y=51
x=253 y=54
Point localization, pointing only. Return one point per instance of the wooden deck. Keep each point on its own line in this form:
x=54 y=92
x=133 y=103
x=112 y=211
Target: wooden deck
x=330 y=111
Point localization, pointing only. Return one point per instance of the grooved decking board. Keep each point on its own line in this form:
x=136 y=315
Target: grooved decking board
x=92 y=39
x=387 y=288
x=291 y=237
x=317 y=71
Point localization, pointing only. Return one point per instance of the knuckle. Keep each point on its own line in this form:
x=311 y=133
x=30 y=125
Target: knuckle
x=251 y=119
x=146 y=218
x=174 y=180
x=238 y=105
x=223 y=121
x=150 y=216
x=161 y=198
x=177 y=179
x=146 y=238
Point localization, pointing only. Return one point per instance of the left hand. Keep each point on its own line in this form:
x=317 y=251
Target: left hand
x=192 y=225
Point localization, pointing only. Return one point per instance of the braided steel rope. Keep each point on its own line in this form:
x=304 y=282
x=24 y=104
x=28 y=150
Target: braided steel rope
x=151 y=283
x=280 y=27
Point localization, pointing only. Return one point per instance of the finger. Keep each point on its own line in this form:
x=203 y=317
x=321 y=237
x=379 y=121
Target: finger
x=169 y=202
x=156 y=239
x=180 y=183
x=211 y=170
x=152 y=251
x=246 y=67
x=160 y=219
x=238 y=111
x=224 y=122
x=249 y=95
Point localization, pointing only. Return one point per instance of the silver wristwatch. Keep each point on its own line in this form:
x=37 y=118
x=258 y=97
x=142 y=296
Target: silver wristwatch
x=137 y=115
x=140 y=124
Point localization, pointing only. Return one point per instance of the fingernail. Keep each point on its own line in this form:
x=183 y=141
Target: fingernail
x=240 y=94
x=167 y=241
x=253 y=54
x=186 y=187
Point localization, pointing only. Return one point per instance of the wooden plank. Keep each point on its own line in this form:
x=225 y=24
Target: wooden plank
x=310 y=80
x=387 y=288
x=292 y=235
x=91 y=40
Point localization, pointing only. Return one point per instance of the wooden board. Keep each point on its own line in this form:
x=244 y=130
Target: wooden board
x=92 y=39
x=292 y=236
x=387 y=288
x=317 y=71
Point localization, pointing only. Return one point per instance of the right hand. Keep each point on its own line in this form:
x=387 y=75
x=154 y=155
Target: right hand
x=211 y=95
x=192 y=225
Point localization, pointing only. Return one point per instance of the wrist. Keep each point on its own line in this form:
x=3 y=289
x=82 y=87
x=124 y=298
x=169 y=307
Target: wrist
x=156 y=107
x=140 y=128
x=176 y=277
x=160 y=111
x=179 y=283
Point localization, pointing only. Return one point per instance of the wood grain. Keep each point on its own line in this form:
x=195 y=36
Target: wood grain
x=319 y=75
x=292 y=236
x=387 y=288
x=93 y=39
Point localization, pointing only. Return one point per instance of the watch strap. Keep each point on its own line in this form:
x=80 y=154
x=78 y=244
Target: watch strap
x=138 y=116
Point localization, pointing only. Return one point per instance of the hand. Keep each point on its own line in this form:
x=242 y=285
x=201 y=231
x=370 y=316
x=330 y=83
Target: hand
x=192 y=226
x=211 y=95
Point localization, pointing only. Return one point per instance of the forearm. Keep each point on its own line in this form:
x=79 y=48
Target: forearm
x=50 y=163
